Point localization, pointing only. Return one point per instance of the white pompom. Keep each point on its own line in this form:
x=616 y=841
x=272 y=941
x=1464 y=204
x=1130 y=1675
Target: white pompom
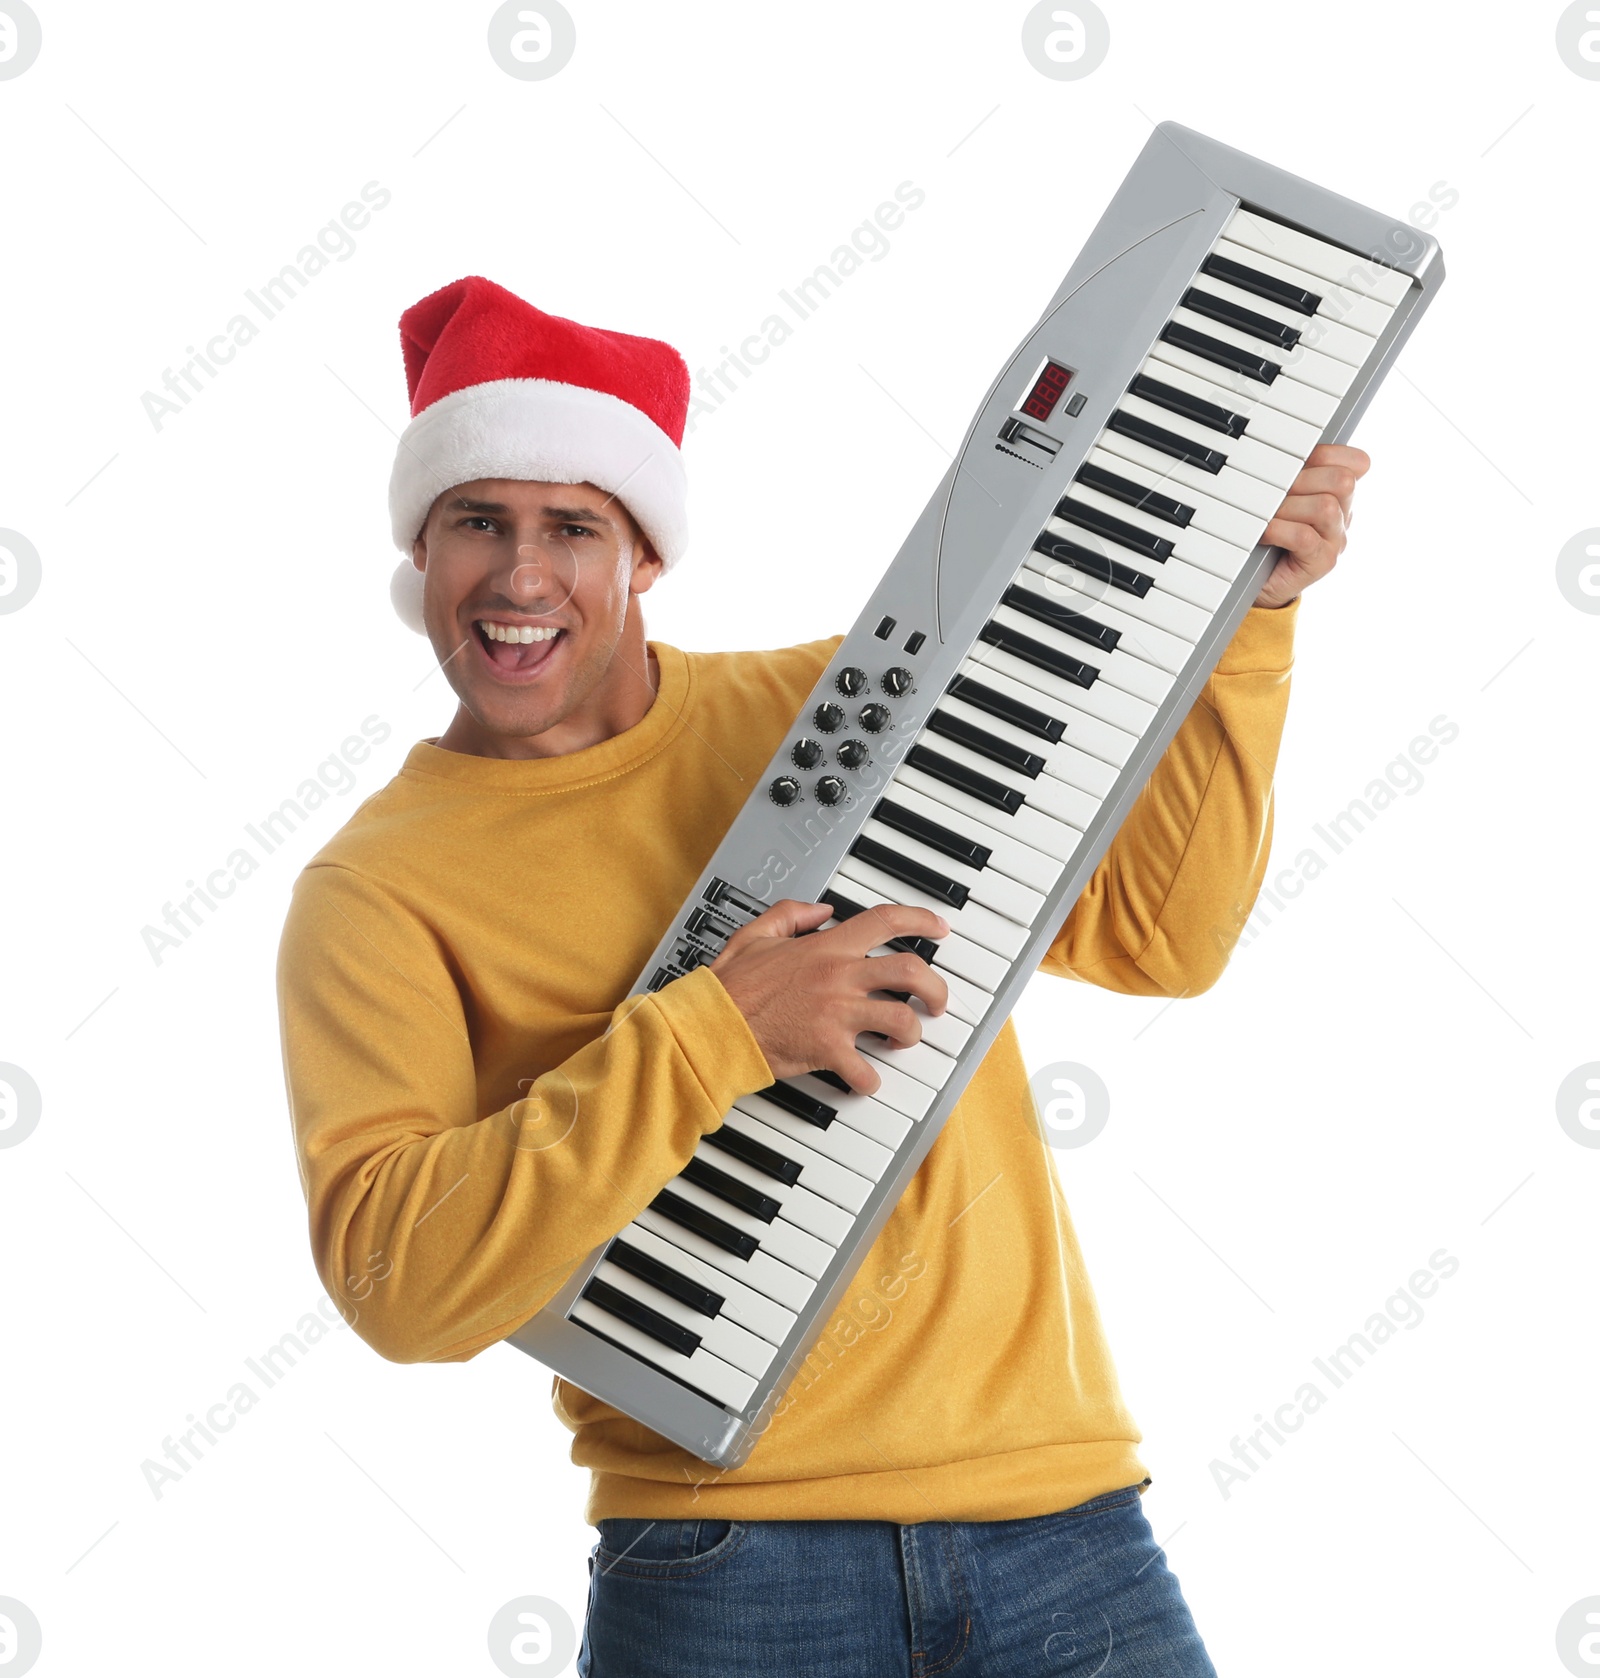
x=405 y=591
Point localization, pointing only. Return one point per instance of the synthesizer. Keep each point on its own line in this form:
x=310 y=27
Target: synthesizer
x=984 y=728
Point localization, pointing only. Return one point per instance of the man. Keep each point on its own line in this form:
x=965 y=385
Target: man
x=951 y=1483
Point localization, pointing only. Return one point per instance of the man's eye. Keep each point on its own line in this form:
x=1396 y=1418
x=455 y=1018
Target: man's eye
x=582 y=530
x=478 y=519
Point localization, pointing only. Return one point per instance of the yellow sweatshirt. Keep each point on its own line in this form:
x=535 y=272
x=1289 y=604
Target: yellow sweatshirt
x=477 y=1103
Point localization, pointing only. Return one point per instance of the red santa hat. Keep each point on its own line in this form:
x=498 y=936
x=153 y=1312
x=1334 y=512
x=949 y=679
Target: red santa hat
x=500 y=389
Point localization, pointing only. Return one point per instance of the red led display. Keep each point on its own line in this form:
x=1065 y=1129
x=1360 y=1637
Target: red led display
x=1046 y=392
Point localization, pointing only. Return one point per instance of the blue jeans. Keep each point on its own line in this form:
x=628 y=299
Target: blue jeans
x=1085 y=1593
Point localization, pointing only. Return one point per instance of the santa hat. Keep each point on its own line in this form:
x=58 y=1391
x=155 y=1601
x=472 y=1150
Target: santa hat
x=500 y=389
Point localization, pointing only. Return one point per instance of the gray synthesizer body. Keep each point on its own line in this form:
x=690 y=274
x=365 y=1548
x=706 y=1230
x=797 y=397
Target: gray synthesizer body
x=996 y=497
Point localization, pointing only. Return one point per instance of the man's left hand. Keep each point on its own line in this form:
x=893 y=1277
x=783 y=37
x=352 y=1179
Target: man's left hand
x=1310 y=526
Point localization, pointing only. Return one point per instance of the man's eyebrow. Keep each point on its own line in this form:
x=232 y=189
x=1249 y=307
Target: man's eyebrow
x=462 y=504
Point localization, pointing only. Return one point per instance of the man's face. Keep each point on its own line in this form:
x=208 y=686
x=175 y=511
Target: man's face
x=527 y=587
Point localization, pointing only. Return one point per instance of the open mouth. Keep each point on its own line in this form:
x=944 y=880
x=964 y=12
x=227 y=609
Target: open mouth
x=517 y=649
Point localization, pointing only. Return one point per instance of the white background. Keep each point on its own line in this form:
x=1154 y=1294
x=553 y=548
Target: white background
x=1371 y=1080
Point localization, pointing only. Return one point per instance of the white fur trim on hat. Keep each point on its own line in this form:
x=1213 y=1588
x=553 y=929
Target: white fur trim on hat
x=539 y=431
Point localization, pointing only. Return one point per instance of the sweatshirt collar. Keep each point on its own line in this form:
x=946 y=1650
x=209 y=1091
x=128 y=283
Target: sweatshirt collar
x=616 y=756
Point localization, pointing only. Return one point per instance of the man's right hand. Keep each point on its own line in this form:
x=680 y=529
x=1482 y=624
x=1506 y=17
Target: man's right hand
x=806 y=998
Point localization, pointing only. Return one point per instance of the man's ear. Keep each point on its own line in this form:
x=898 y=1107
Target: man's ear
x=419 y=554
x=647 y=567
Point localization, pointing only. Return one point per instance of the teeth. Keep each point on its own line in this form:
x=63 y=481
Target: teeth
x=524 y=633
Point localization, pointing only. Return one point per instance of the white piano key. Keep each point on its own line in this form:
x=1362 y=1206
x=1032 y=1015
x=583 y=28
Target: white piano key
x=1338 y=303
x=1160 y=610
x=1343 y=343
x=762 y=1272
x=986 y=885
x=1237 y=489
x=1031 y=826
x=961 y=952
x=866 y=1113
x=778 y=1239
x=921 y=1061
x=1267 y=425
x=826 y=1178
x=1121 y=669
x=1288 y=395
x=1310 y=367
x=837 y=1142
x=1064 y=760
x=1053 y=798
x=801 y=1207
x=1243 y=454
x=1007 y=854
x=1207 y=514
x=709 y=1374
x=947 y=1032
x=763 y=1317
x=1199 y=587
x=900 y=1093
x=1193 y=543
x=719 y=1336
x=1316 y=256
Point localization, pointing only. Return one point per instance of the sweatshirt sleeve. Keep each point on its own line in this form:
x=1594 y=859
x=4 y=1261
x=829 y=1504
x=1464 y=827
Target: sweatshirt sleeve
x=438 y=1226
x=1163 y=910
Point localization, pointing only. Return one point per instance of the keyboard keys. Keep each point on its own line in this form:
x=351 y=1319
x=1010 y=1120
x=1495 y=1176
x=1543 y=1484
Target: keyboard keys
x=839 y=1143
x=799 y=1206
x=981 y=943
x=777 y=1239
x=1214 y=305
x=1067 y=762
x=1090 y=512
x=741 y=1304
x=1315 y=256
x=1160 y=609
x=664 y=1318
x=760 y=1271
x=1129 y=677
x=1250 y=279
x=1164 y=440
x=963 y=998
x=703 y=1371
x=1263 y=422
x=770 y=1162
x=1309 y=366
x=825 y=1178
x=1032 y=827
x=986 y=886
x=1334 y=302
x=1021 y=714
x=1213 y=415
x=877 y=1116
x=1243 y=454
x=1006 y=855
x=1119 y=486
x=900 y=818
x=1286 y=395
x=1208 y=346
x=1329 y=337
x=950 y=724
x=1237 y=489
x=1207 y=516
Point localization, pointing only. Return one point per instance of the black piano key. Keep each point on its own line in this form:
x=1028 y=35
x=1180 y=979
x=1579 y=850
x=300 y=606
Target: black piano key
x=1026 y=717
x=757 y=1155
x=1202 y=344
x=824 y=1075
x=1261 y=285
x=910 y=872
x=1168 y=442
x=634 y=1311
x=1241 y=319
x=988 y=745
x=735 y=1190
x=1061 y=617
x=846 y=908
x=705 y=1224
x=935 y=837
x=625 y=1256
x=1036 y=653
x=969 y=781
x=1144 y=542
x=799 y=1104
x=1091 y=564
x=1135 y=495
x=1191 y=407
